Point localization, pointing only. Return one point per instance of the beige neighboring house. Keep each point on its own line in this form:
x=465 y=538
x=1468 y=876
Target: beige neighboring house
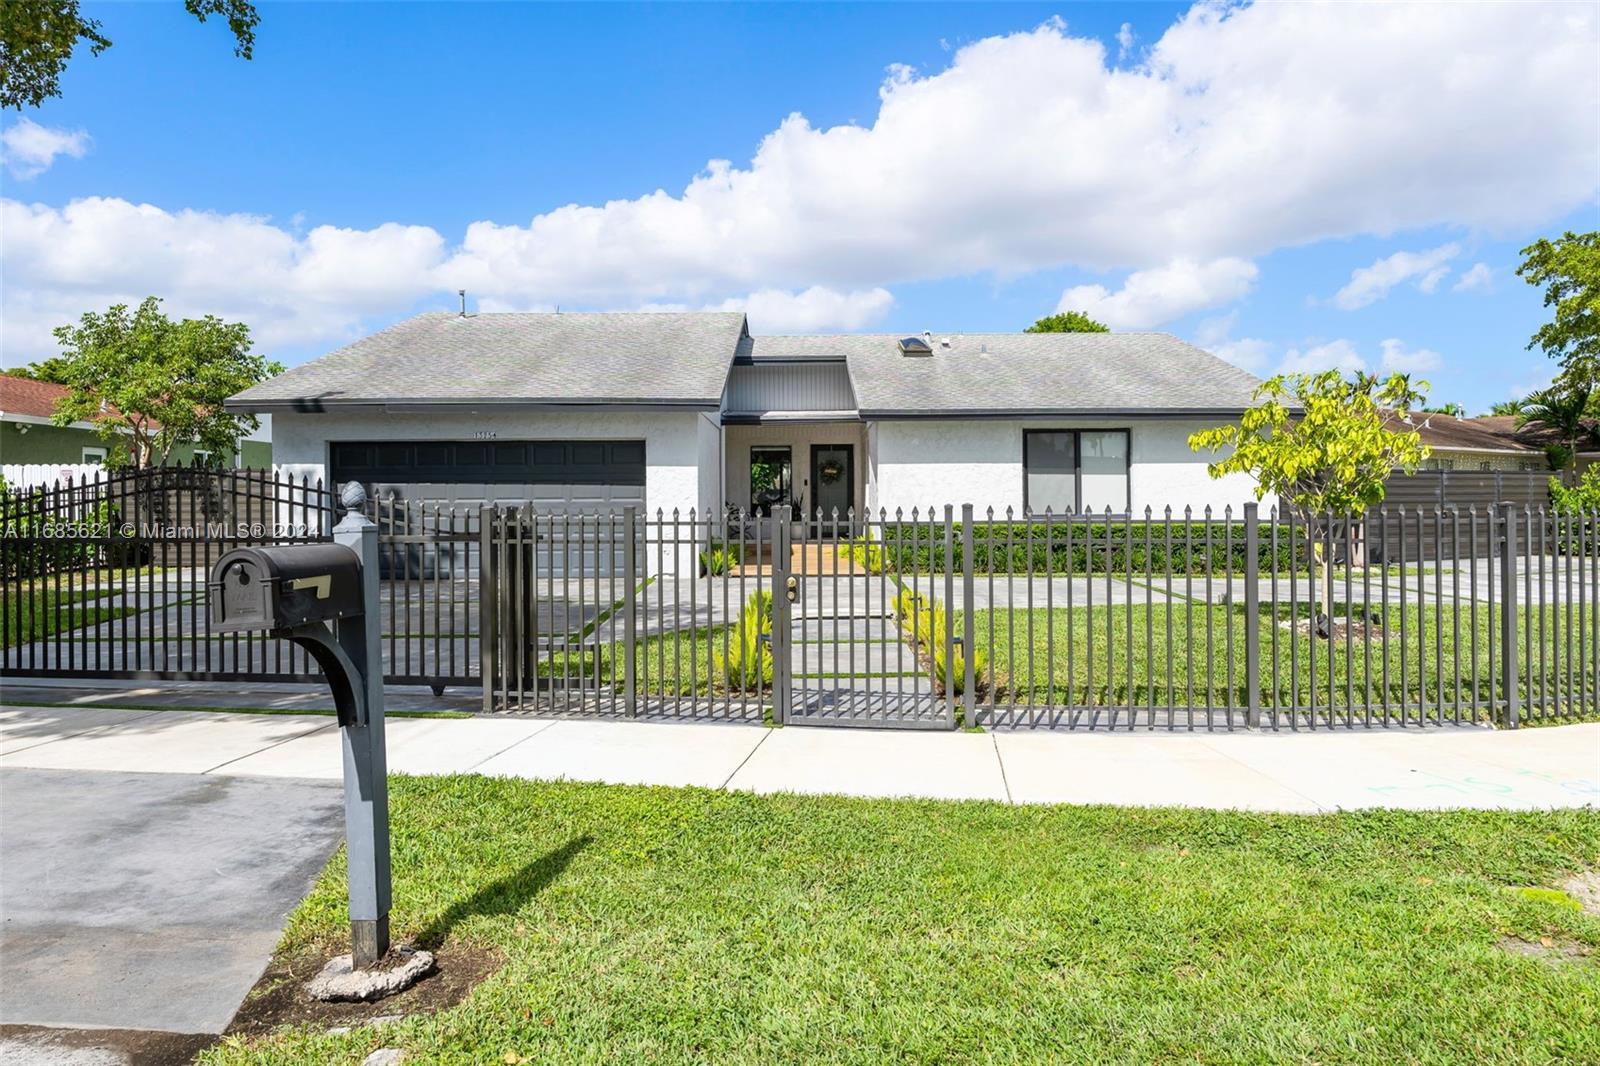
x=1540 y=437
x=1479 y=444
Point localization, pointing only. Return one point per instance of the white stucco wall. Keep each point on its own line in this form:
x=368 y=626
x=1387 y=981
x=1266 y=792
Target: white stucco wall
x=708 y=459
x=672 y=441
x=800 y=438
x=919 y=464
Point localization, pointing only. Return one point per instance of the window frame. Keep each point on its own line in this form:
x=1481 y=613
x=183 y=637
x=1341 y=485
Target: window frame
x=749 y=470
x=100 y=453
x=1077 y=465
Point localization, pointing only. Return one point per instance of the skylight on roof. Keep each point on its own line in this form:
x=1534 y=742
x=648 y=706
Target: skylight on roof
x=915 y=346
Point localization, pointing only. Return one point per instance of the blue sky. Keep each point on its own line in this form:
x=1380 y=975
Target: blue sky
x=1223 y=174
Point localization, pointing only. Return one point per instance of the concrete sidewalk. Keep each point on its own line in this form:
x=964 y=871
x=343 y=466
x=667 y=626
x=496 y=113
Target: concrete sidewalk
x=1435 y=768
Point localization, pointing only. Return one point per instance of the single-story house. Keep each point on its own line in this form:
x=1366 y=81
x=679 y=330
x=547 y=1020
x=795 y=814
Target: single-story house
x=1477 y=444
x=681 y=411
x=29 y=437
x=1538 y=438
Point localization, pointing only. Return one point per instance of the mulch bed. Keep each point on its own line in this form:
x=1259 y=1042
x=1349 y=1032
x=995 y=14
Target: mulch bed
x=279 y=998
x=1339 y=629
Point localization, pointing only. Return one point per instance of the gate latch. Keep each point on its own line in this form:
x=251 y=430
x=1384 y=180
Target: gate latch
x=791 y=589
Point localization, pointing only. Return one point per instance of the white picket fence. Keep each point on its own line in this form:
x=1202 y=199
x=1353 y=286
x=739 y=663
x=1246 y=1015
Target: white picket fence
x=48 y=475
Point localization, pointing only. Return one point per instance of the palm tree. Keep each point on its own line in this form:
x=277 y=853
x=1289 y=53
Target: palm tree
x=1507 y=407
x=1563 y=408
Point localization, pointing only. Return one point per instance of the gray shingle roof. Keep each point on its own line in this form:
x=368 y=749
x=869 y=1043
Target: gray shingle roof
x=1022 y=373
x=682 y=358
x=665 y=358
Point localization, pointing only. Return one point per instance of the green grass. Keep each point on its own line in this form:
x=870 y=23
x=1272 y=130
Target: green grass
x=34 y=611
x=647 y=925
x=1201 y=660
x=680 y=663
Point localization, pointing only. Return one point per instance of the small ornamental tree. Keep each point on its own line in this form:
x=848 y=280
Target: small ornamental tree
x=153 y=383
x=1333 y=457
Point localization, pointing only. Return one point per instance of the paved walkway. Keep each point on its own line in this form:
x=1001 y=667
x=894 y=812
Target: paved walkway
x=1436 y=768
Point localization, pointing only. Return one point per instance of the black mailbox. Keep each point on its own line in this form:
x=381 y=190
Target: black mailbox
x=283 y=587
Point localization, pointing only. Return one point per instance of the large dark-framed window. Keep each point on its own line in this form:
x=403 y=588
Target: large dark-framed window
x=771 y=477
x=1076 y=470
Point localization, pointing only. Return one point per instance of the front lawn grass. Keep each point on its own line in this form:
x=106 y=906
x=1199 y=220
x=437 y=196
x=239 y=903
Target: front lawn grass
x=34 y=611
x=1431 y=655
x=681 y=662
x=651 y=925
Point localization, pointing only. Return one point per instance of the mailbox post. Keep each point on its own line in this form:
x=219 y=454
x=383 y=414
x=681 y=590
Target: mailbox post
x=295 y=593
x=366 y=766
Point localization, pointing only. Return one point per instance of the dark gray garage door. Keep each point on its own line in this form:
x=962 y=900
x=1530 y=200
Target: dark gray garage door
x=555 y=476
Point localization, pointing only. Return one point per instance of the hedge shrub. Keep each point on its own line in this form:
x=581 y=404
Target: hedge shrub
x=918 y=549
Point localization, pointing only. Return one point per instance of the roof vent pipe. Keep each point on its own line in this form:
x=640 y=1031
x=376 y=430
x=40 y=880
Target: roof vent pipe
x=463 y=294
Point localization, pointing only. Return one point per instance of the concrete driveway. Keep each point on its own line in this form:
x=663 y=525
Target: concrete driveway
x=148 y=901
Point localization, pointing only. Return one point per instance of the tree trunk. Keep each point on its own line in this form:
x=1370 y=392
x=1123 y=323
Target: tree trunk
x=1324 y=597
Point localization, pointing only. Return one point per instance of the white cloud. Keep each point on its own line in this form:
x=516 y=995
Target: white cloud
x=1372 y=283
x=1477 y=277
x=1150 y=298
x=1247 y=353
x=1125 y=39
x=1334 y=355
x=289 y=289
x=1241 y=130
x=29 y=148
x=814 y=309
x=1395 y=357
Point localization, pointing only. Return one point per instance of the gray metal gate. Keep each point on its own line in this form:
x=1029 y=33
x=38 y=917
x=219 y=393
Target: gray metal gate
x=861 y=645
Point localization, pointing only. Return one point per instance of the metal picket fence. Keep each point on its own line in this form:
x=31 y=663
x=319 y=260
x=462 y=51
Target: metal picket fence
x=105 y=576
x=937 y=618
x=930 y=619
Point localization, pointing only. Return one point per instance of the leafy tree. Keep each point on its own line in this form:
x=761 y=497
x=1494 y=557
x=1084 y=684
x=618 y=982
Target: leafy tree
x=1454 y=410
x=52 y=370
x=1320 y=443
x=37 y=38
x=157 y=383
x=1569 y=271
x=1563 y=408
x=1507 y=407
x=1067 y=322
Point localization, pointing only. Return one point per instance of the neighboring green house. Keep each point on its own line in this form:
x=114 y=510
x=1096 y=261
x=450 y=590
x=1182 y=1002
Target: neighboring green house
x=27 y=436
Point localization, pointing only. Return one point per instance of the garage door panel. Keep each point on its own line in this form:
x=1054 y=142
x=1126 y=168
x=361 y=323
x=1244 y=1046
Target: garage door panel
x=580 y=462
x=553 y=477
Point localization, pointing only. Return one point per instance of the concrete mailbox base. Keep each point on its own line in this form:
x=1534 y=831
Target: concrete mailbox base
x=340 y=981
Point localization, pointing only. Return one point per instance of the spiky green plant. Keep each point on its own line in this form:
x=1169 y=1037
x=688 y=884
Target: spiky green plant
x=924 y=620
x=746 y=664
